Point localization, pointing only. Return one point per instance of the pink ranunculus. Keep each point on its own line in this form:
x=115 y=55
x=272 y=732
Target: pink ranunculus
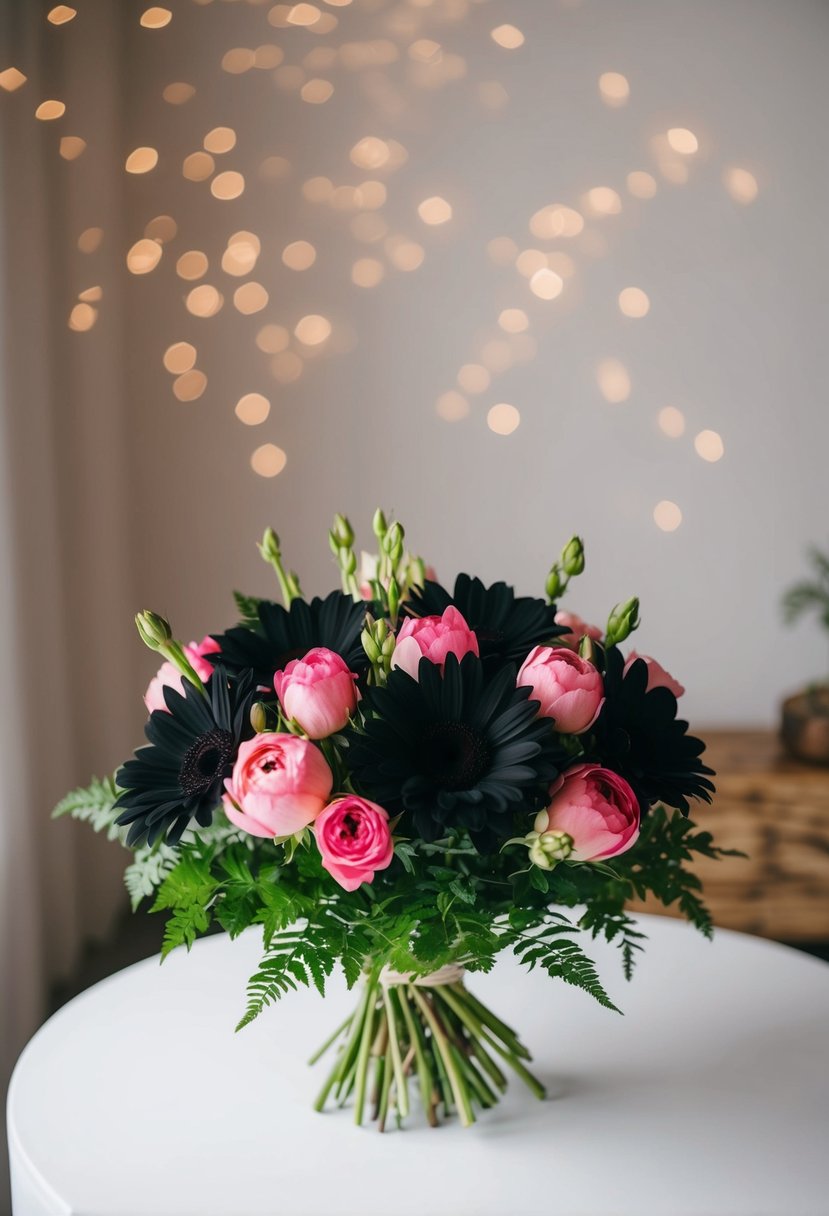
x=354 y=839
x=279 y=785
x=318 y=691
x=169 y=676
x=658 y=677
x=433 y=638
x=577 y=630
x=569 y=689
x=596 y=807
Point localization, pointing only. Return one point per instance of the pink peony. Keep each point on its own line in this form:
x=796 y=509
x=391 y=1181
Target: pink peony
x=433 y=638
x=279 y=785
x=594 y=806
x=568 y=688
x=318 y=692
x=169 y=676
x=658 y=677
x=354 y=839
x=578 y=629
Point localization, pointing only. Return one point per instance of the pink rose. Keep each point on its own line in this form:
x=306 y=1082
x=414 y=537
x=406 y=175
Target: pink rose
x=596 y=807
x=354 y=838
x=569 y=689
x=578 y=629
x=433 y=638
x=318 y=692
x=169 y=676
x=279 y=785
x=658 y=677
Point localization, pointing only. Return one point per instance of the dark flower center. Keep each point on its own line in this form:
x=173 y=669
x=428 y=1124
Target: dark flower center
x=205 y=762
x=454 y=755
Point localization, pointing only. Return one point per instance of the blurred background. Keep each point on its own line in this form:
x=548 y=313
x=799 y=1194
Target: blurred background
x=510 y=270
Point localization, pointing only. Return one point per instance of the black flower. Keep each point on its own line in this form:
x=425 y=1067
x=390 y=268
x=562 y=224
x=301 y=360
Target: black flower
x=639 y=736
x=507 y=626
x=458 y=750
x=180 y=775
x=284 y=634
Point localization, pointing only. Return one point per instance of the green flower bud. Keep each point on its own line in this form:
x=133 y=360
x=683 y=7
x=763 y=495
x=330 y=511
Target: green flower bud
x=334 y=544
x=269 y=547
x=394 y=598
x=572 y=557
x=259 y=717
x=343 y=531
x=393 y=543
x=349 y=561
x=388 y=646
x=587 y=650
x=381 y=630
x=379 y=525
x=622 y=621
x=555 y=585
x=370 y=646
x=547 y=849
x=153 y=629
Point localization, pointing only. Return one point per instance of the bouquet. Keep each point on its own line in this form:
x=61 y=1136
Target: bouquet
x=406 y=781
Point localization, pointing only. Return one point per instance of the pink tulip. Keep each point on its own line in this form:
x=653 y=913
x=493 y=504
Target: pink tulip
x=658 y=677
x=433 y=638
x=354 y=839
x=318 y=692
x=594 y=806
x=279 y=785
x=569 y=689
x=577 y=630
x=169 y=676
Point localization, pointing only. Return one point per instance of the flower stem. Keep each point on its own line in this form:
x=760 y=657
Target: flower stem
x=364 y=1051
x=397 y=1059
x=459 y=1091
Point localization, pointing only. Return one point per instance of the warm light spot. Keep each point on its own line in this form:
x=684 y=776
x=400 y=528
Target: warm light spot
x=641 y=184
x=513 y=320
x=397 y=154
x=503 y=419
x=220 y=139
x=289 y=77
x=317 y=189
x=239 y=60
x=614 y=381
x=227 y=185
x=204 y=301
x=507 y=36
x=556 y=220
x=252 y=409
x=241 y=255
x=614 y=88
x=190 y=386
x=529 y=261
x=163 y=228
x=90 y=239
x=682 y=140
x=474 y=378
x=304 y=14
x=91 y=295
x=286 y=367
x=250 y=298
x=11 y=79
x=71 y=146
x=709 y=446
x=667 y=515
x=274 y=167
x=435 y=210
x=405 y=255
x=320 y=59
x=671 y=421
x=142 y=160
x=278 y=16
x=338 y=3
x=451 y=406
x=367 y=272
x=269 y=460
x=345 y=198
x=546 y=284
x=60 y=14
x=425 y=50
x=156 y=18
x=272 y=339
x=368 y=226
x=372 y=195
x=496 y=355
x=673 y=170
x=299 y=255
x=177 y=93
x=198 y=166
x=325 y=23
x=633 y=302
x=502 y=250
x=268 y=56
x=740 y=184
x=316 y=91
x=144 y=256
x=82 y=317
x=192 y=265
x=49 y=110
x=602 y=200
x=561 y=263
x=312 y=330
x=492 y=95
x=370 y=153
x=180 y=358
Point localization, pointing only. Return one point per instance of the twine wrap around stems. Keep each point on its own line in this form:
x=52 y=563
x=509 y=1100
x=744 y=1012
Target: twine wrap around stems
x=452 y=973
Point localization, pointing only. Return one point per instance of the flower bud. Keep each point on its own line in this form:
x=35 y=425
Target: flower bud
x=394 y=597
x=343 y=531
x=381 y=630
x=622 y=621
x=258 y=717
x=269 y=548
x=370 y=646
x=555 y=585
x=588 y=650
x=572 y=557
x=393 y=543
x=547 y=849
x=379 y=525
x=153 y=630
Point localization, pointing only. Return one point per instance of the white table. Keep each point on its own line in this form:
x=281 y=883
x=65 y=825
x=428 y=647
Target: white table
x=709 y=1098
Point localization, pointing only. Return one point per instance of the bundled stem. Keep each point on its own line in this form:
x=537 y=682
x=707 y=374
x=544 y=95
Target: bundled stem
x=443 y=1037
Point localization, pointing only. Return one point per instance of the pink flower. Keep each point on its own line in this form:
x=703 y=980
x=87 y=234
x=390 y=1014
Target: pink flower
x=578 y=629
x=569 y=689
x=169 y=676
x=318 y=692
x=433 y=638
x=354 y=839
x=658 y=677
x=279 y=785
x=596 y=807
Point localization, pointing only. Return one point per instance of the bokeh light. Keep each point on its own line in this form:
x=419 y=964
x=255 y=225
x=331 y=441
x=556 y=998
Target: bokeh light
x=546 y=284
x=474 y=378
x=683 y=141
x=227 y=185
x=71 y=146
x=740 y=184
x=614 y=88
x=180 y=358
x=634 y=302
x=219 y=140
x=451 y=406
x=613 y=380
x=82 y=317
x=603 y=200
x=513 y=320
x=299 y=255
x=312 y=330
x=192 y=265
x=156 y=18
x=667 y=515
x=709 y=446
x=60 y=14
x=252 y=409
x=48 y=111
x=204 y=301
x=190 y=386
x=435 y=210
x=503 y=419
x=671 y=421
x=268 y=460
x=507 y=36
x=367 y=272
x=143 y=256
x=141 y=160
x=641 y=184
x=250 y=298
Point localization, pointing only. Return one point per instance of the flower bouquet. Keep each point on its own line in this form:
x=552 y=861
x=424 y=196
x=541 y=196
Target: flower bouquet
x=407 y=781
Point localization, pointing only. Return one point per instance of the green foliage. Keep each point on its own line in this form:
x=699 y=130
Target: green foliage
x=150 y=866
x=95 y=805
x=248 y=608
x=810 y=595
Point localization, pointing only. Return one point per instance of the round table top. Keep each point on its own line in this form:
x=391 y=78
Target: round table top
x=709 y=1097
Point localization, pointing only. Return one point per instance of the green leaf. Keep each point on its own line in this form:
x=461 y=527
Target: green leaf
x=150 y=866
x=95 y=805
x=248 y=608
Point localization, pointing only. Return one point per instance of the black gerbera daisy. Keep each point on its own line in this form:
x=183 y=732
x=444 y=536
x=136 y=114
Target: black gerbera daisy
x=456 y=750
x=180 y=775
x=507 y=626
x=289 y=633
x=639 y=736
